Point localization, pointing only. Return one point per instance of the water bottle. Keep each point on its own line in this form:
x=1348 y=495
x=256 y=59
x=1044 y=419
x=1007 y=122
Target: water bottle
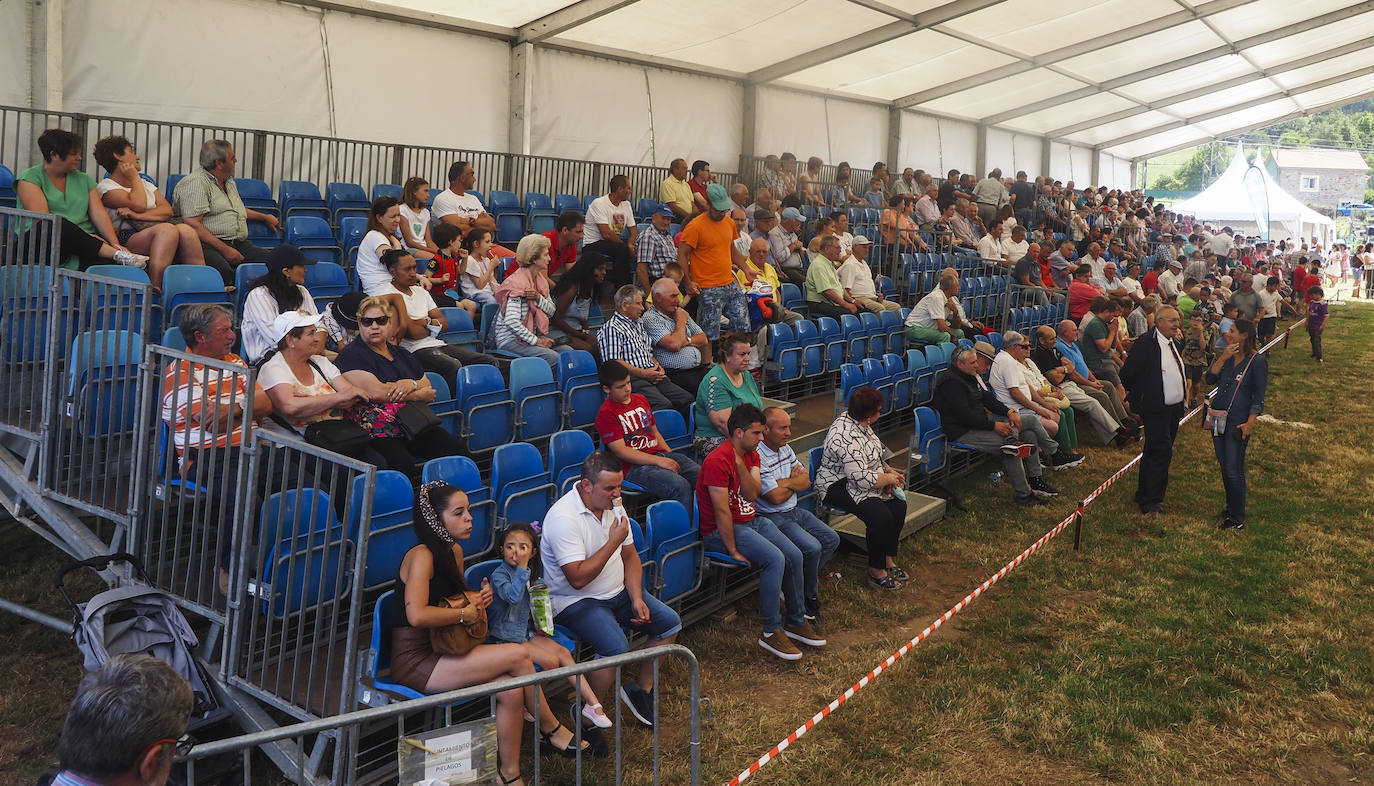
x=996 y=478
x=540 y=607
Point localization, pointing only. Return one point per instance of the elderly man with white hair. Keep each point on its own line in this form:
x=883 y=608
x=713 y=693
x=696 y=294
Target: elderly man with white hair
x=1059 y=370
x=679 y=343
x=1008 y=383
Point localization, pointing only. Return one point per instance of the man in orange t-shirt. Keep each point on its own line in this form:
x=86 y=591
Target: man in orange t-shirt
x=709 y=257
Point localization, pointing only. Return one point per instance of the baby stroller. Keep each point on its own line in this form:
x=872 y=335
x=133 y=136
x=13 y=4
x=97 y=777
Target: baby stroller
x=134 y=617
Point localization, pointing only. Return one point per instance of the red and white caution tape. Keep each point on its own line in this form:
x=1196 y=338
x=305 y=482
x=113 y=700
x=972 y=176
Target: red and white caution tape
x=894 y=657
x=868 y=678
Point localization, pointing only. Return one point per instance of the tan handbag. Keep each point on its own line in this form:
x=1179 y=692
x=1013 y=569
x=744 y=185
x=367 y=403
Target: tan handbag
x=459 y=638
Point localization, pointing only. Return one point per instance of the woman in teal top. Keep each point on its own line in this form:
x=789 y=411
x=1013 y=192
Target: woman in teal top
x=58 y=186
x=727 y=385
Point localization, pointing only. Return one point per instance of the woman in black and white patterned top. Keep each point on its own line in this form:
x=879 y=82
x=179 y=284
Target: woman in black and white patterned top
x=854 y=478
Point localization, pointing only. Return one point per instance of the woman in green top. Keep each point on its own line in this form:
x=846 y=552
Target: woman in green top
x=58 y=186
x=727 y=385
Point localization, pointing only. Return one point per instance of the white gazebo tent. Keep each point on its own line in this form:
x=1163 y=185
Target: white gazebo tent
x=1229 y=199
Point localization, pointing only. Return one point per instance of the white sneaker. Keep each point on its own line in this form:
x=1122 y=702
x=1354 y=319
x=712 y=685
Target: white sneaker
x=595 y=714
x=125 y=257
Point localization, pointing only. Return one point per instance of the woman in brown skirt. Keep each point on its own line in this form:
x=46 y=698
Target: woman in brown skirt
x=431 y=572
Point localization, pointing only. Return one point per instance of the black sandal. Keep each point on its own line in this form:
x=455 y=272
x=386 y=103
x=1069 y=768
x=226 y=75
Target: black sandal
x=546 y=742
x=898 y=574
x=504 y=780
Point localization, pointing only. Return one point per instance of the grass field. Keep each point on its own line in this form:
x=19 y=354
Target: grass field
x=1166 y=651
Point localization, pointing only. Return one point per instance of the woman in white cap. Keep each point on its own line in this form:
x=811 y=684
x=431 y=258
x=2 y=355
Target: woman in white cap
x=305 y=387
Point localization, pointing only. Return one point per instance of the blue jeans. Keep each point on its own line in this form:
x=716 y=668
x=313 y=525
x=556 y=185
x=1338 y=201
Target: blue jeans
x=600 y=622
x=663 y=484
x=779 y=559
x=1231 y=456
x=816 y=540
x=729 y=300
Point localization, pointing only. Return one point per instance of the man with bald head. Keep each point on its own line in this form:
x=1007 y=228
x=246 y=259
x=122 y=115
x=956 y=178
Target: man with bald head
x=1154 y=376
x=1026 y=275
x=1060 y=372
x=679 y=344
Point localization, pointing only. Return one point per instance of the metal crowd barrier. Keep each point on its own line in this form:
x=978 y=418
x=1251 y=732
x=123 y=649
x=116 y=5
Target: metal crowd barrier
x=96 y=336
x=300 y=562
x=362 y=746
x=27 y=261
x=184 y=495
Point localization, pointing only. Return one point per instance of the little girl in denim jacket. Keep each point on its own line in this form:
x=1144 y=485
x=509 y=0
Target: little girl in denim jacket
x=509 y=618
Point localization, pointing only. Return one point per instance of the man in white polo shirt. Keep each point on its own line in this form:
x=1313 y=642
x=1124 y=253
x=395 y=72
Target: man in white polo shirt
x=595 y=579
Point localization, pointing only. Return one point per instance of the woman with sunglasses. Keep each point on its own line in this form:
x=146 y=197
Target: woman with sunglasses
x=390 y=378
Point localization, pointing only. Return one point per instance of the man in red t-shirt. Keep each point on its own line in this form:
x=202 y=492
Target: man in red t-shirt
x=729 y=483
x=563 y=239
x=628 y=430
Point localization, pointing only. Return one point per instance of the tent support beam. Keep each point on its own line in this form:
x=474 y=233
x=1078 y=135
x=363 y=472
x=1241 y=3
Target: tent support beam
x=1095 y=168
x=1226 y=110
x=1124 y=35
x=423 y=19
x=1185 y=62
x=1207 y=90
x=45 y=55
x=521 y=97
x=567 y=18
x=906 y=24
x=1245 y=129
x=980 y=156
x=1046 y=152
x=748 y=136
x=894 y=139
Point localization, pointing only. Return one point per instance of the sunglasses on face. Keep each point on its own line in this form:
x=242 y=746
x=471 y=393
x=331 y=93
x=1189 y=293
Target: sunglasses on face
x=369 y=321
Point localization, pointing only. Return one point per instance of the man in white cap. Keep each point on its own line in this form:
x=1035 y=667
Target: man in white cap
x=1171 y=281
x=787 y=248
x=857 y=277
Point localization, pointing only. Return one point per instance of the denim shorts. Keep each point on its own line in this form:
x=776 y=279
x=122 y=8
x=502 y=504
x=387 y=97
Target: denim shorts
x=728 y=300
x=599 y=622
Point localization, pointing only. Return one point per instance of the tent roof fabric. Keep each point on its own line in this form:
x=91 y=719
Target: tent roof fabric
x=1158 y=75
x=1318 y=159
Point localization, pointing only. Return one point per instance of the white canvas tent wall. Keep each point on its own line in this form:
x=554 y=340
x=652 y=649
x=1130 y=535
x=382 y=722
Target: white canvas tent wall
x=1228 y=199
x=1078 y=89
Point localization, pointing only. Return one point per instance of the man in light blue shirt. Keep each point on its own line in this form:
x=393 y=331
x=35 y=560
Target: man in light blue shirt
x=1106 y=394
x=783 y=477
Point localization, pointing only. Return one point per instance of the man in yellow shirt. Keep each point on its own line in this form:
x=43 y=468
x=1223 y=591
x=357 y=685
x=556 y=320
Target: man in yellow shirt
x=675 y=192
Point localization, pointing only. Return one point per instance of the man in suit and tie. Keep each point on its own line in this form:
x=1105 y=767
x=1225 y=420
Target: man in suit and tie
x=1153 y=377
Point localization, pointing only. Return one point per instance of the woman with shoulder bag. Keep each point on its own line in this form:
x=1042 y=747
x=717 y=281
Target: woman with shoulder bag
x=309 y=394
x=1241 y=375
x=396 y=412
x=429 y=575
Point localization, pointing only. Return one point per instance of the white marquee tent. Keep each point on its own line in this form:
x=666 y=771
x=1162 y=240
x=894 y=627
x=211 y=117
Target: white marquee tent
x=1228 y=199
x=1080 y=89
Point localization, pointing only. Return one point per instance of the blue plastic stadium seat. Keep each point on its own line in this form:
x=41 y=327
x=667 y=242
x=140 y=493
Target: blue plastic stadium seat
x=301 y=198
x=677 y=550
x=582 y=394
x=460 y=472
x=460 y=330
x=674 y=429
x=521 y=483
x=538 y=400
x=313 y=236
x=256 y=195
x=183 y=285
x=327 y=282
x=389 y=189
x=389 y=533
x=306 y=552
x=259 y=234
x=346 y=199
x=484 y=406
x=167 y=190
x=379 y=652
x=565 y=202
x=567 y=451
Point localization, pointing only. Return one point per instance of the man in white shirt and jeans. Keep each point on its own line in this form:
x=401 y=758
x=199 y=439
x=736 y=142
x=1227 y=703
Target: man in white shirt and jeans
x=595 y=579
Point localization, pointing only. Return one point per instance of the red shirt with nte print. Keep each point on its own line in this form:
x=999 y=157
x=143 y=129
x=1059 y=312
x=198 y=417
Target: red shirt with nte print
x=632 y=422
x=719 y=469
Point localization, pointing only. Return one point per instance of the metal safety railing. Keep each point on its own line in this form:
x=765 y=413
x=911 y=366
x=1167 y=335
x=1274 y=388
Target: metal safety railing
x=363 y=746
x=301 y=561
x=28 y=259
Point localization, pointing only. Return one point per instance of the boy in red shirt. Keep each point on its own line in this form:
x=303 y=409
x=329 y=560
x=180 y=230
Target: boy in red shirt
x=629 y=432
x=729 y=483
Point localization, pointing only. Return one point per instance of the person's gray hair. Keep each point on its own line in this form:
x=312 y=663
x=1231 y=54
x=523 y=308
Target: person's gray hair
x=198 y=317
x=1012 y=339
x=961 y=354
x=531 y=246
x=628 y=294
x=213 y=151
x=828 y=241
x=120 y=709
x=663 y=286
